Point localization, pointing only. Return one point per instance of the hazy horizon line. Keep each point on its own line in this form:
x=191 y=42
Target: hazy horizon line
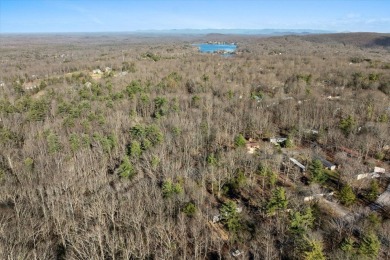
x=237 y=31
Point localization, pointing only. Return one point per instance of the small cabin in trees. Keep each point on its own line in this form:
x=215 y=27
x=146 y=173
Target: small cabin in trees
x=367 y=175
x=236 y=253
x=375 y=174
x=277 y=140
x=327 y=165
x=379 y=170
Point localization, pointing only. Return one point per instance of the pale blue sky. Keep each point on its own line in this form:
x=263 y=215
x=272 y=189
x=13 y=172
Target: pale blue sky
x=130 y=15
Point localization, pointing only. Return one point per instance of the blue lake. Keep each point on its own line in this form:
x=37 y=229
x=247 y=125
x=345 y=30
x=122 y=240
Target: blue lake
x=211 y=48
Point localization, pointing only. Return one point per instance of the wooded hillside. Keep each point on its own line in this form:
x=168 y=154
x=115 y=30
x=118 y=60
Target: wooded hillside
x=136 y=147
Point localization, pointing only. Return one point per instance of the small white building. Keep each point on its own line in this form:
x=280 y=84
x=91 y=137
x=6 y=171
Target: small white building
x=379 y=170
x=236 y=253
x=216 y=218
x=367 y=175
x=277 y=140
x=328 y=165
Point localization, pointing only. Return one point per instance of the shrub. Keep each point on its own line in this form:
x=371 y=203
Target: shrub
x=126 y=169
x=347 y=245
x=29 y=164
x=74 y=141
x=130 y=67
x=266 y=173
x=2 y=174
x=317 y=171
x=155 y=162
x=133 y=88
x=8 y=136
x=107 y=142
x=306 y=78
x=85 y=141
x=257 y=95
x=38 y=110
x=160 y=107
x=278 y=200
x=384 y=118
x=189 y=209
x=169 y=188
x=374 y=190
x=148 y=136
x=138 y=131
x=154 y=135
x=301 y=222
x=289 y=143
x=234 y=184
x=230 y=217
x=53 y=143
x=380 y=155
x=212 y=160
x=356 y=59
x=135 y=149
x=347 y=125
x=151 y=56
x=174 y=105
x=195 y=101
x=176 y=131
x=239 y=141
x=347 y=196
x=315 y=251
x=370 y=246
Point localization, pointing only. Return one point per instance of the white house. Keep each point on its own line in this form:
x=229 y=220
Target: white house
x=379 y=170
x=277 y=140
x=236 y=253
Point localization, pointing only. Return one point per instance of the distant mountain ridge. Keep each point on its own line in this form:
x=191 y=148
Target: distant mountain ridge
x=274 y=32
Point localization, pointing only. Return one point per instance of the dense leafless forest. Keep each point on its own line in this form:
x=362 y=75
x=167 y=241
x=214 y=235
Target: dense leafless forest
x=120 y=146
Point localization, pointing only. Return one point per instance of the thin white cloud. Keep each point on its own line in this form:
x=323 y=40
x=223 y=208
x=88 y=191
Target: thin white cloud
x=85 y=13
x=353 y=16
